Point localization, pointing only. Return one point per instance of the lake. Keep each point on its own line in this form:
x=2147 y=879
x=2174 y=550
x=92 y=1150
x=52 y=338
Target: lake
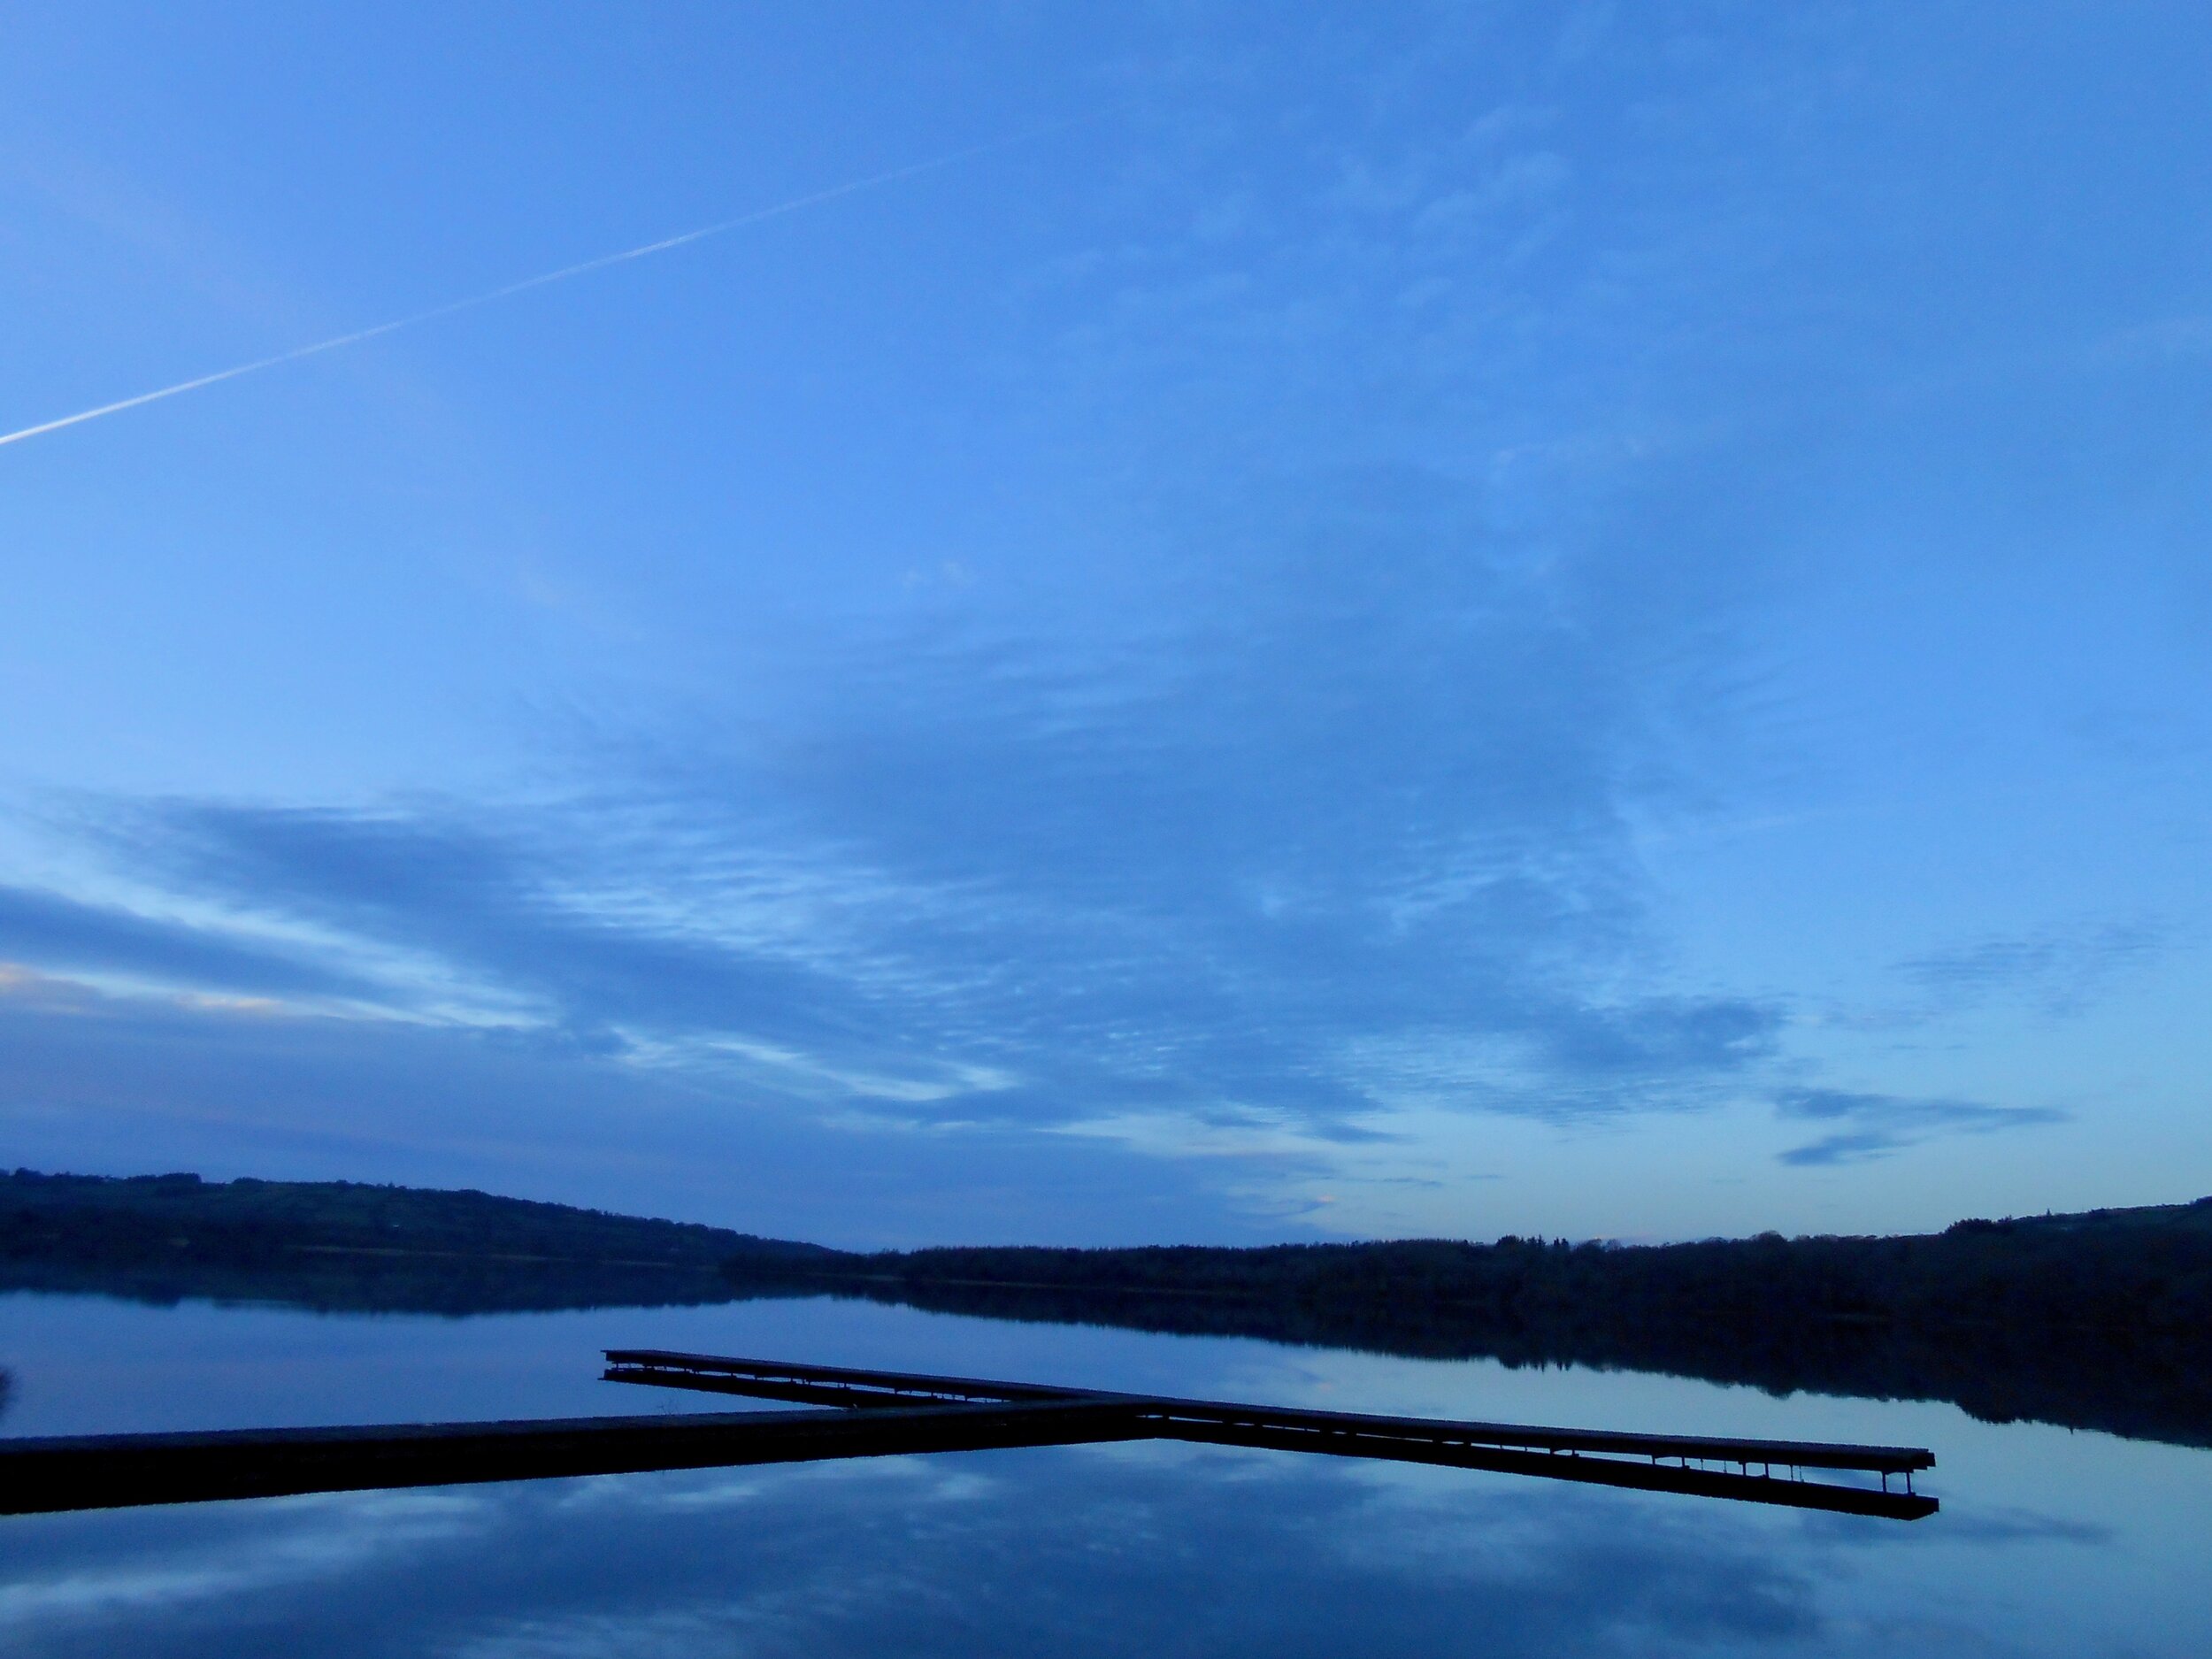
x=2048 y=1542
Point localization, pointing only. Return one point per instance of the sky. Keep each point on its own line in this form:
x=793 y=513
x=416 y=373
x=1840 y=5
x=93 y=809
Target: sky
x=1292 y=622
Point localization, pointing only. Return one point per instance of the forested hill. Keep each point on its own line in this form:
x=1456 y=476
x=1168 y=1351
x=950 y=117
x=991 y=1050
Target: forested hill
x=351 y=1244
x=2100 y=1320
x=2097 y=1320
x=2146 y=1270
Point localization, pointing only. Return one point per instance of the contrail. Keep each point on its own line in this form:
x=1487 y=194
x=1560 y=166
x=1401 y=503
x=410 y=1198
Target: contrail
x=795 y=204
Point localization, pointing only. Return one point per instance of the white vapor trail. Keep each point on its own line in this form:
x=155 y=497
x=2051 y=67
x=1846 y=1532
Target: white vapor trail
x=793 y=205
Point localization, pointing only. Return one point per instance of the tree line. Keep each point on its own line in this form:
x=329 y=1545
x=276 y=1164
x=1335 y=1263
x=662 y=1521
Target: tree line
x=2098 y=1320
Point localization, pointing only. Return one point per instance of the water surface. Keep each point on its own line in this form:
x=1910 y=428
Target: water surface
x=2049 y=1542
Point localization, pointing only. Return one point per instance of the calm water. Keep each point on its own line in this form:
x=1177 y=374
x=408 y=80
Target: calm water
x=2049 y=1542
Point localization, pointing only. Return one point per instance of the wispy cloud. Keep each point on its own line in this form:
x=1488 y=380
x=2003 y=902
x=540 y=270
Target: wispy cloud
x=1354 y=829
x=1351 y=520
x=1350 y=839
x=1084 y=1555
x=56 y=932
x=2059 y=972
x=1877 y=1125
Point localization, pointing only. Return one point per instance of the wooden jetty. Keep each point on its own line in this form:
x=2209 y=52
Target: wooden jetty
x=875 y=1414
x=1703 y=1465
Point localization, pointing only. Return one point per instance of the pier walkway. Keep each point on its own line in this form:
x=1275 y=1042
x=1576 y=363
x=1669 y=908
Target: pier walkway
x=875 y=1414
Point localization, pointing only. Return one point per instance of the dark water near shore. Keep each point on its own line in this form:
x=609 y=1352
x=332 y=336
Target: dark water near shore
x=2049 y=1542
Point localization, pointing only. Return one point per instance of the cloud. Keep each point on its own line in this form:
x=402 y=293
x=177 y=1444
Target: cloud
x=516 y=922
x=1340 y=823
x=118 y=1085
x=1320 y=812
x=1079 y=1551
x=2059 y=972
x=1880 y=1125
x=1284 y=777
x=55 y=932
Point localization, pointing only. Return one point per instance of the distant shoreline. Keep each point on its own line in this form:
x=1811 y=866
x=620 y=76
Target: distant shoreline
x=2100 y=1320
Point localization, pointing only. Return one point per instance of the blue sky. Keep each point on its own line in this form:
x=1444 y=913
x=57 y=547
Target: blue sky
x=1377 y=620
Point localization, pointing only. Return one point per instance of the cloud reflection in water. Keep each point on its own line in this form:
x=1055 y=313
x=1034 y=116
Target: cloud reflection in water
x=1068 y=1552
